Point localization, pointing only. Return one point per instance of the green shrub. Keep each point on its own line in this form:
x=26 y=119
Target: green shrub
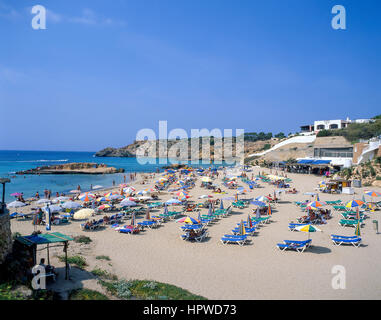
x=86 y=294
x=82 y=239
x=104 y=274
x=78 y=261
x=103 y=258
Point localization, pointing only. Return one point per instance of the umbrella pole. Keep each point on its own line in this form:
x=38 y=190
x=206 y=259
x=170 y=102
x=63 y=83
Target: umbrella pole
x=47 y=249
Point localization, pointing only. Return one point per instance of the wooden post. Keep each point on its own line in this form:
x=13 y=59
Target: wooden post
x=66 y=267
x=47 y=251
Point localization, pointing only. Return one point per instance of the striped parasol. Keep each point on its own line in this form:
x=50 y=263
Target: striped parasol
x=354 y=204
x=86 y=197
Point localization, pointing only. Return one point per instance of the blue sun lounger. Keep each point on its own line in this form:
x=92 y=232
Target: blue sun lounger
x=306 y=242
x=240 y=240
x=339 y=240
x=299 y=247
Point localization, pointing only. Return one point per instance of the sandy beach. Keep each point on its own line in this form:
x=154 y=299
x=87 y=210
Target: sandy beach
x=255 y=271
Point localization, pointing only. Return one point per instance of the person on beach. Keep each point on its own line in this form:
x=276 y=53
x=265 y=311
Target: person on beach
x=79 y=188
x=37 y=196
x=91 y=186
x=57 y=194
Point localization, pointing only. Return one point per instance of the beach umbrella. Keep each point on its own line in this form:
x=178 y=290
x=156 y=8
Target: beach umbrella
x=43 y=201
x=372 y=193
x=262 y=198
x=48 y=218
x=127 y=203
x=16 y=194
x=354 y=204
x=103 y=199
x=314 y=204
x=83 y=214
x=257 y=213
x=133 y=219
x=258 y=203
x=114 y=197
x=104 y=206
x=189 y=220
x=210 y=210
x=86 y=197
x=357 y=230
x=129 y=190
x=307 y=228
x=249 y=222
x=16 y=204
x=71 y=205
x=148 y=215
x=109 y=194
x=61 y=198
x=242 y=230
x=53 y=209
x=173 y=201
x=221 y=205
x=269 y=211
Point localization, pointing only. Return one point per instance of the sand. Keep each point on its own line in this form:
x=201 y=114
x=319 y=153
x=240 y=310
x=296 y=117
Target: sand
x=256 y=271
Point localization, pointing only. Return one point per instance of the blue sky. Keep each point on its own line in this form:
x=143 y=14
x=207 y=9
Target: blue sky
x=102 y=70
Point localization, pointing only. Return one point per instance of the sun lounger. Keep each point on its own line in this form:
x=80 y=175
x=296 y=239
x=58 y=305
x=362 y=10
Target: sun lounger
x=343 y=237
x=299 y=247
x=198 y=237
x=306 y=242
x=340 y=208
x=355 y=241
x=350 y=222
x=352 y=215
x=240 y=240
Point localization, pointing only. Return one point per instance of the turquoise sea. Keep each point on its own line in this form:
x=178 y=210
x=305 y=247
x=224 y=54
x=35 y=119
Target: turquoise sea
x=13 y=161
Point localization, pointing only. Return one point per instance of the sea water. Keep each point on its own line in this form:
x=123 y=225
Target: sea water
x=14 y=161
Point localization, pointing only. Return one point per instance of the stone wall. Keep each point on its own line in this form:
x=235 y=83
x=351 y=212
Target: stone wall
x=5 y=236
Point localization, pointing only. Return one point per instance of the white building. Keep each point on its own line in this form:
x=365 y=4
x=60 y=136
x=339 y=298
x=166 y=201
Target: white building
x=331 y=124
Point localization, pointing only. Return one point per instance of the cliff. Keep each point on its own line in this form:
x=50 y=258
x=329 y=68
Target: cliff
x=216 y=150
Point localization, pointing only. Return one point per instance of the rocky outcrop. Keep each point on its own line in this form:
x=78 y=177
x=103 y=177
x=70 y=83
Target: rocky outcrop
x=216 y=151
x=73 y=168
